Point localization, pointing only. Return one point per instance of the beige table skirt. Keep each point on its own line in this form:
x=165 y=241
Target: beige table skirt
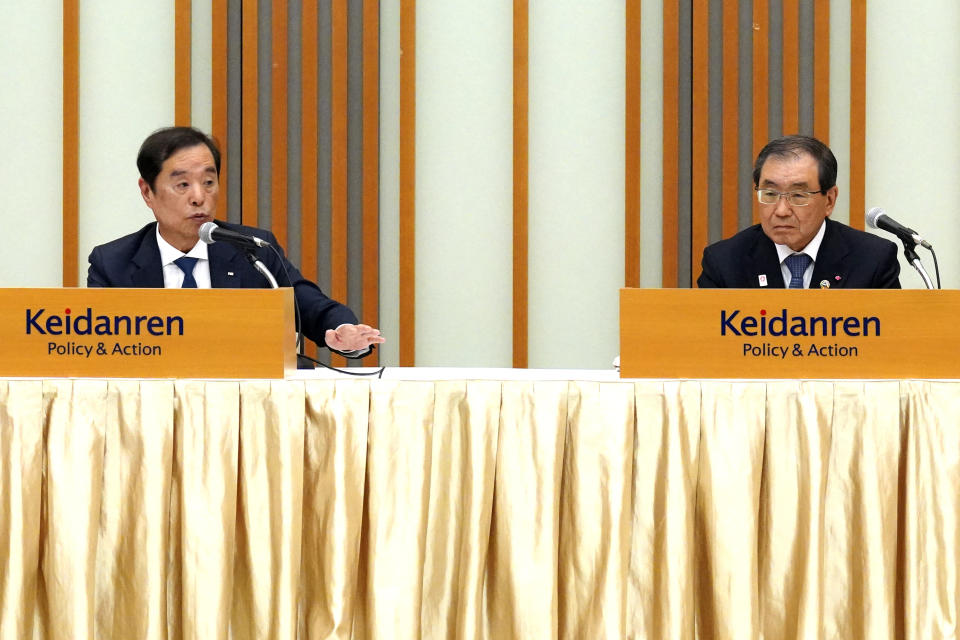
x=479 y=509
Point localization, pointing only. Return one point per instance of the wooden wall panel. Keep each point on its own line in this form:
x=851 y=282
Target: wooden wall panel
x=309 y=132
x=338 y=154
x=71 y=140
x=182 y=31
x=521 y=108
x=338 y=150
x=858 y=111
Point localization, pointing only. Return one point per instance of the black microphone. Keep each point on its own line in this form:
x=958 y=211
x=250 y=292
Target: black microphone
x=877 y=218
x=210 y=232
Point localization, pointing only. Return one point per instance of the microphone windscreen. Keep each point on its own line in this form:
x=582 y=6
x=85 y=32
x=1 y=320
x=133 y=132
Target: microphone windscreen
x=206 y=232
x=872 y=216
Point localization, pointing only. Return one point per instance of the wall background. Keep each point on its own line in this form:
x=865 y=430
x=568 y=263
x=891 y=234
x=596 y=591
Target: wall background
x=462 y=308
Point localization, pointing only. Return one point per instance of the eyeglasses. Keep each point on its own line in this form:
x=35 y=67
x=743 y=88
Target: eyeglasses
x=795 y=198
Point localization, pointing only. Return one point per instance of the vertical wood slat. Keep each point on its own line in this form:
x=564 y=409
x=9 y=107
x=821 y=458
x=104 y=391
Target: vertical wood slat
x=731 y=126
x=408 y=79
x=182 y=52
x=218 y=41
x=791 y=67
x=821 y=70
x=339 y=107
x=761 y=70
x=250 y=118
x=71 y=141
x=371 y=168
x=631 y=208
x=700 y=180
x=521 y=159
x=858 y=110
x=309 y=129
x=278 y=122
x=671 y=131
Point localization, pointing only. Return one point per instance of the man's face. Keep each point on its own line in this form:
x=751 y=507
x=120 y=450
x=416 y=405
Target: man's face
x=184 y=195
x=789 y=224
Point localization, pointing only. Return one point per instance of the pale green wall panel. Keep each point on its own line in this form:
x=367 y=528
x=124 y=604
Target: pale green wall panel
x=390 y=181
x=201 y=65
x=913 y=126
x=31 y=147
x=464 y=183
x=577 y=92
x=126 y=92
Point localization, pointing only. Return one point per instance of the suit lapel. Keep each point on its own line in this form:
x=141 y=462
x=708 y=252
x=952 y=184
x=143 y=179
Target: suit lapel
x=225 y=266
x=830 y=257
x=147 y=270
x=763 y=263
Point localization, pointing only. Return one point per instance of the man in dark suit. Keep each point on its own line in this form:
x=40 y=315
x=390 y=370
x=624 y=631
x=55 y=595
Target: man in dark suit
x=796 y=245
x=179 y=181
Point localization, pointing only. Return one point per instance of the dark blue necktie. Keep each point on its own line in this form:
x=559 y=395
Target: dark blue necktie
x=186 y=265
x=797 y=263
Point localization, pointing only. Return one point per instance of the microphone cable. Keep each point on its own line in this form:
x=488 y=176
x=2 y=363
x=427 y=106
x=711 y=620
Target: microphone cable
x=298 y=328
x=376 y=372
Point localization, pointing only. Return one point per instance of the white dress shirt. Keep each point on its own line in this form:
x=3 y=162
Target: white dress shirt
x=172 y=274
x=812 y=248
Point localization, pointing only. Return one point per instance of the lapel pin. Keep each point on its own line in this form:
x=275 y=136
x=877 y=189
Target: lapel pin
x=837 y=278
x=763 y=279
x=824 y=284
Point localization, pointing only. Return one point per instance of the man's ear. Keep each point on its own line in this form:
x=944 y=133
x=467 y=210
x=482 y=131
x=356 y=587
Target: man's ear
x=145 y=191
x=831 y=196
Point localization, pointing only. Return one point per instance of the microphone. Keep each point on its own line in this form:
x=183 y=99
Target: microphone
x=210 y=232
x=877 y=218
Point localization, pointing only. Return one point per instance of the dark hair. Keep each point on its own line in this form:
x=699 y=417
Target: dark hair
x=794 y=146
x=163 y=143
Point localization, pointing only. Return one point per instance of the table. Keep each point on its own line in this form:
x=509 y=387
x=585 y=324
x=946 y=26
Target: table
x=479 y=504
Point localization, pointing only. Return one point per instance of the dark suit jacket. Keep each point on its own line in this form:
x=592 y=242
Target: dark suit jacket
x=848 y=258
x=134 y=261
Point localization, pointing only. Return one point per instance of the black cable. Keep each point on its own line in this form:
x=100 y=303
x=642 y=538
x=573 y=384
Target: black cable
x=296 y=305
x=296 y=315
x=378 y=372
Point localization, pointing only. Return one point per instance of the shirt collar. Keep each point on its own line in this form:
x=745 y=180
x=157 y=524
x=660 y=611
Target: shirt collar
x=812 y=248
x=169 y=253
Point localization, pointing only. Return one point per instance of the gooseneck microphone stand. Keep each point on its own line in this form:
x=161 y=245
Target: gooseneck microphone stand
x=262 y=268
x=914 y=259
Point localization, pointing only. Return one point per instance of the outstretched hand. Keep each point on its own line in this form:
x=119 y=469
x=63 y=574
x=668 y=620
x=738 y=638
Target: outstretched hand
x=353 y=337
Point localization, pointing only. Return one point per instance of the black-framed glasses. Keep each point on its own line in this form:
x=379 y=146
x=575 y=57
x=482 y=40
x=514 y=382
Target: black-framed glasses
x=795 y=198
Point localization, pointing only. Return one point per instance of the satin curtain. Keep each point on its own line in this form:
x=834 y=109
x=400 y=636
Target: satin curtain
x=479 y=509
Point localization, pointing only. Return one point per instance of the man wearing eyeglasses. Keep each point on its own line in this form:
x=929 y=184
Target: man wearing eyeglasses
x=796 y=245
